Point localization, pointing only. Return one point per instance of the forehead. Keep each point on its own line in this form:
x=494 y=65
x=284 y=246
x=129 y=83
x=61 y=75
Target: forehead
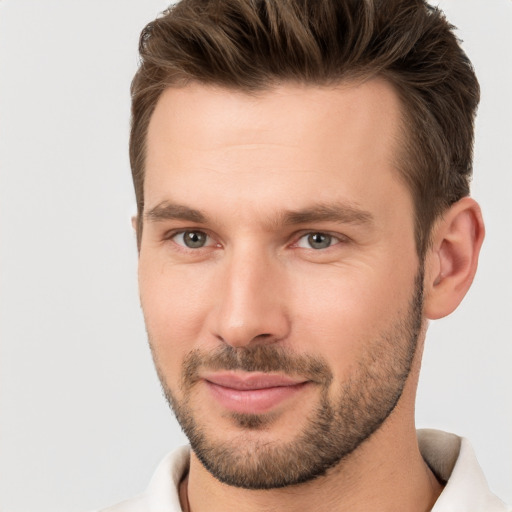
x=294 y=140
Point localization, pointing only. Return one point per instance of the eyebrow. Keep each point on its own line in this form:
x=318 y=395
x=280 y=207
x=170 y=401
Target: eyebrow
x=332 y=212
x=171 y=211
x=344 y=213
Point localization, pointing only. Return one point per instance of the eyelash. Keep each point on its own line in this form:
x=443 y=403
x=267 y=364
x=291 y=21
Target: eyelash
x=172 y=236
x=332 y=239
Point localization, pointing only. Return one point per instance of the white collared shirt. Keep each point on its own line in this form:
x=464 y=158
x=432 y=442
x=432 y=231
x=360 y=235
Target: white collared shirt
x=450 y=457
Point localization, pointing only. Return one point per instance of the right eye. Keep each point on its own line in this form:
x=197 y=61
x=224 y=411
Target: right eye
x=192 y=239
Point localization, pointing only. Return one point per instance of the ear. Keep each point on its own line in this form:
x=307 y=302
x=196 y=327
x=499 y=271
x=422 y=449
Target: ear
x=135 y=226
x=452 y=260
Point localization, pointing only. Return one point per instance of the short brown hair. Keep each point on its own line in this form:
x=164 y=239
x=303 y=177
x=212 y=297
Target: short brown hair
x=252 y=45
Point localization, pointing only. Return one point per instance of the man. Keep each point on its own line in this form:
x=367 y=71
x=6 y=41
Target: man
x=301 y=171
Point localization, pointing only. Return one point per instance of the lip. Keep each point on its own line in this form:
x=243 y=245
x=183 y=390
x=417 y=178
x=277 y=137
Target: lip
x=254 y=392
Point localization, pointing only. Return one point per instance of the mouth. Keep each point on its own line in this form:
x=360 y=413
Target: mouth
x=254 y=392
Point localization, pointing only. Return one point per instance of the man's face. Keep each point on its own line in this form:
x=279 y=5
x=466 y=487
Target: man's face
x=278 y=273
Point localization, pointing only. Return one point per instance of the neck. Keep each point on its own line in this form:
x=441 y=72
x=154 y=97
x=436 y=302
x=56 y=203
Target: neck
x=392 y=479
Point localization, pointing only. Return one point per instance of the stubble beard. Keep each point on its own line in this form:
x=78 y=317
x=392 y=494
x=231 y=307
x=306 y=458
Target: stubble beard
x=335 y=428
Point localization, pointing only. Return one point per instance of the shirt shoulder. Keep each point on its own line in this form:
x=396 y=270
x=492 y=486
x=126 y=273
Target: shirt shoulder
x=453 y=461
x=161 y=495
x=450 y=457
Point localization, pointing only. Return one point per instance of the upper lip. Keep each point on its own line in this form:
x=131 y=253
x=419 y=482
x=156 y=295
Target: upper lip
x=251 y=380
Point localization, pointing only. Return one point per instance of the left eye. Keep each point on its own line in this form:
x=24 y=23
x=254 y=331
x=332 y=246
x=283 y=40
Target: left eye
x=317 y=241
x=192 y=239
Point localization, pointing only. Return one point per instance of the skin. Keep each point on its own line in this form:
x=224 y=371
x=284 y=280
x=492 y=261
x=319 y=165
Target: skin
x=244 y=162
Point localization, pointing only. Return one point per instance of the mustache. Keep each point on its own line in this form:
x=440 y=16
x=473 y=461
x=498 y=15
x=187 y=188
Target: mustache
x=258 y=358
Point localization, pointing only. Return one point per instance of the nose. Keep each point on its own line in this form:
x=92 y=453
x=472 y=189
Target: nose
x=251 y=303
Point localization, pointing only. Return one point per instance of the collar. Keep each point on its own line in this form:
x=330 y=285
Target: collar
x=450 y=457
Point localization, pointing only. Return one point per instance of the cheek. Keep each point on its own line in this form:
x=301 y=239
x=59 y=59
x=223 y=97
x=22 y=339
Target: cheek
x=341 y=315
x=174 y=301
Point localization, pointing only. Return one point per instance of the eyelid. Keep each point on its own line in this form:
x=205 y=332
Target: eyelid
x=337 y=238
x=171 y=234
x=213 y=241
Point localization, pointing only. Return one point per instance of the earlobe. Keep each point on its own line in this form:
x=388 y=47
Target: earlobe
x=452 y=260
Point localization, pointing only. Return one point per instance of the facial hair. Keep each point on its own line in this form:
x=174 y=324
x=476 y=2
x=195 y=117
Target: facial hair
x=336 y=427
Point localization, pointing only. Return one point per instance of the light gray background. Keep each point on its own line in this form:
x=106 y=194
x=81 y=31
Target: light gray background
x=83 y=423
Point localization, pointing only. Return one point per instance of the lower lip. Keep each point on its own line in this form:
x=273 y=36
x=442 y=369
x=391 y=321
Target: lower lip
x=253 y=401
